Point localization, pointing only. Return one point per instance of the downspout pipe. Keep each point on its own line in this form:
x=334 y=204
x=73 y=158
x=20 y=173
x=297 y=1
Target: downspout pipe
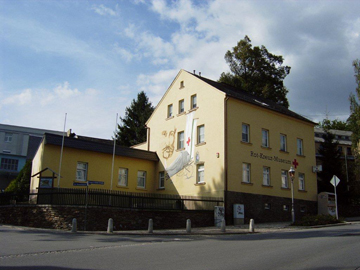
x=225 y=158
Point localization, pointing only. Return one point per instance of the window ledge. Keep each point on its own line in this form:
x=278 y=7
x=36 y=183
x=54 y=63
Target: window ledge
x=160 y=188
x=247 y=183
x=302 y=190
x=200 y=184
x=141 y=188
x=180 y=149
x=284 y=152
x=183 y=113
x=200 y=144
x=267 y=186
x=246 y=143
x=266 y=147
x=171 y=117
x=303 y=156
x=285 y=188
x=194 y=109
x=119 y=186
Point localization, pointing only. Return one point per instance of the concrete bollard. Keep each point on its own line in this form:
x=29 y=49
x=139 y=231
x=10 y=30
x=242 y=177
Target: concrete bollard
x=223 y=226
x=251 y=226
x=110 y=227
x=188 y=226
x=74 y=226
x=151 y=226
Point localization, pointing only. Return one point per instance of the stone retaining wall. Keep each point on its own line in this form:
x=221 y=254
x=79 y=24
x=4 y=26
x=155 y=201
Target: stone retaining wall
x=60 y=217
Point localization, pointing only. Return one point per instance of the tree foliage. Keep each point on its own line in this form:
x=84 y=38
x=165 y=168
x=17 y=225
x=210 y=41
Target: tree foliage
x=354 y=119
x=331 y=163
x=257 y=71
x=132 y=130
x=21 y=184
x=334 y=124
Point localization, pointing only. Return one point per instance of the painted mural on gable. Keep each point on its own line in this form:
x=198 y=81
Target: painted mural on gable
x=184 y=162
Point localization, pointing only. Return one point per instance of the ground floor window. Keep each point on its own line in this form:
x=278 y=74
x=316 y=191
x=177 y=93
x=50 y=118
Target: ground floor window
x=200 y=178
x=81 y=171
x=301 y=181
x=266 y=176
x=9 y=164
x=141 y=179
x=161 y=179
x=246 y=172
x=123 y=177
x=284 y=179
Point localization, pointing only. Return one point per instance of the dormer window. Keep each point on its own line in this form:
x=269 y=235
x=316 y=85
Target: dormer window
x=182 y=84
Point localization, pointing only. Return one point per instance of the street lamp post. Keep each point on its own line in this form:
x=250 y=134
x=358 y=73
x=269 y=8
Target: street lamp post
x=292 y=174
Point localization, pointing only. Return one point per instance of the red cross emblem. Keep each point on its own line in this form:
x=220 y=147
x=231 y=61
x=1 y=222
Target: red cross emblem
x=295 y=163
x=188 y=141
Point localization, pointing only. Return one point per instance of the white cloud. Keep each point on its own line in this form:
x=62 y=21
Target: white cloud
x=102 y=10
x=22 y=98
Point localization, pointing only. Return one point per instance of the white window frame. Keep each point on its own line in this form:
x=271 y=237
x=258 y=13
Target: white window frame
x=181 y=106
x=246 y=172
x=266 y=176
x=200 y=173
x=162 y=180
x=123 y=177
x=283 y=142
x=201 y=134
x=181 y=140
x=193 y=102
x=9 y=164
x=300 y=147
x=265 y=138
x=81 y=171
x=170 y=111
x=245 y=133
x=301 y=181
x=141 y=179
x=284 y=179
x=8 y=137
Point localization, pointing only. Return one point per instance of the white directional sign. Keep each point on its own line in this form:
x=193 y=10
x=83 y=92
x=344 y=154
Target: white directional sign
x=335 y=181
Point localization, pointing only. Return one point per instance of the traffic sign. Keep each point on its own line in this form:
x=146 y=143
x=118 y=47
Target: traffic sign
x=80 y=184
x=335 y=181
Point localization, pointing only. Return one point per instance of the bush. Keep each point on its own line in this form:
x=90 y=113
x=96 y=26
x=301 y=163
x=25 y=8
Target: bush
x=316 y=220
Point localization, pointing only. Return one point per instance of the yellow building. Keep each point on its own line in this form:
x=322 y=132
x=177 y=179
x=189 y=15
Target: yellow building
x=216 y=141
x=91 y=160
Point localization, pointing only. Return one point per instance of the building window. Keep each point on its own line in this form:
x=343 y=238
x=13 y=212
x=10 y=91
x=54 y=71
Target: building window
x=201 y=134
x=283 y=142
x=193 y=104
x=162 y=179
x=182 y=84
x=181 y=106
x=246 y=172
x=181 y=140
x=284 y=179
x=286 y=208
x=9 y=164
x=302 y=209
x=245 y=133
x=200 y=178
x=141 y=179
x=348 y=151
x=300 y=148
x=170 y=111
x=123 y=177
x=266 y=176
x=265 y=138
x=301 y=181
x=81 y=171
x=267 y=206
x=8 y=137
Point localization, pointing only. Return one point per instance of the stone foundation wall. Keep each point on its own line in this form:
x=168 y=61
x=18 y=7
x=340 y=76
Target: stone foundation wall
x=60 y=217
x=255 y=207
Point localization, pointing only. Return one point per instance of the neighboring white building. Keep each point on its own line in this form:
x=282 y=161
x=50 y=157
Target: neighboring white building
x=17 y=145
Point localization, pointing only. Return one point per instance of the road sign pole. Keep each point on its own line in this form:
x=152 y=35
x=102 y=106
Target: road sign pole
x=336 y=204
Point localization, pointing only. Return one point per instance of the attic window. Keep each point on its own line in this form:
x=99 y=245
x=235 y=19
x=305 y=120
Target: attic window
x=181 y=84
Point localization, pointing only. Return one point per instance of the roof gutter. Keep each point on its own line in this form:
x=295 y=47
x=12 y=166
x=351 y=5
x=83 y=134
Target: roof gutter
x=225 y=155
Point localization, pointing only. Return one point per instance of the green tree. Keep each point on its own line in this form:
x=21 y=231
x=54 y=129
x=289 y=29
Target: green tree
x=21 y=184
x=354 y=119
x=334 y=124
x=132 y=130
x=331 y=163
x=257 y=71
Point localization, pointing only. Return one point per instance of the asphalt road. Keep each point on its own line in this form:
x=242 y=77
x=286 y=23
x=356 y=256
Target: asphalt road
x=324 y=248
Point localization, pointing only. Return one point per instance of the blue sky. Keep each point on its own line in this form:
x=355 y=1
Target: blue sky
x=89 y=59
